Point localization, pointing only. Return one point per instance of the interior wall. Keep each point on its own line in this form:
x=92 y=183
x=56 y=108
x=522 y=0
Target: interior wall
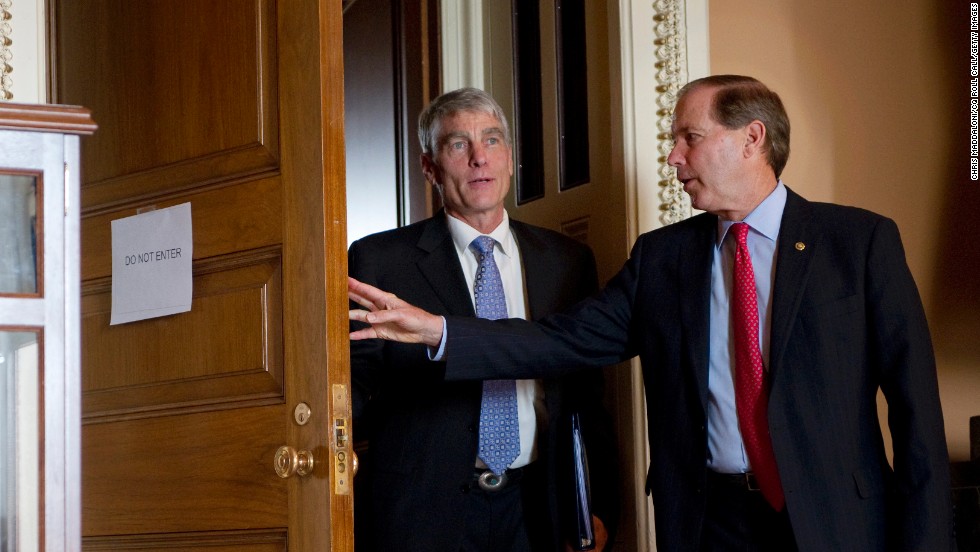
x=27 y=51
x=875 y=91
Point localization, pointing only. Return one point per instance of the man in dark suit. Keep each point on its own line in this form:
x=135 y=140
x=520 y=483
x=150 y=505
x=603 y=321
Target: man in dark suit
x=420 y=489
x=835 y=317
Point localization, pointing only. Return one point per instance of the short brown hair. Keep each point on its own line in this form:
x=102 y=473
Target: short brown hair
x=738 y=101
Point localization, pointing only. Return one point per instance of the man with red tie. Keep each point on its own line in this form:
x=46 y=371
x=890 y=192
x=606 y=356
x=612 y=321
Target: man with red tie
x=765 y=326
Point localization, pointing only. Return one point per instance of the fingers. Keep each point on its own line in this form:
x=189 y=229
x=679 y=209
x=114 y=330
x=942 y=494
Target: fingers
x=601 y=535
x=393 y=325
x=366 y=333
x=357 y=315
x=360 y=300
x=362 y=293
x=376 y=316
x=371 y=297
x=391 y=318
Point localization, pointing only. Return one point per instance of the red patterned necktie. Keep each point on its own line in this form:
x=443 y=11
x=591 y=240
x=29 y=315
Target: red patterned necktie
x=751 y=397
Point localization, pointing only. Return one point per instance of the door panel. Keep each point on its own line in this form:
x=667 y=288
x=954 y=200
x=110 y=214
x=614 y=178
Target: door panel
x=240 y=217
x=191 y=475
x=226 y=350
x=187 y=93
x=235 y=106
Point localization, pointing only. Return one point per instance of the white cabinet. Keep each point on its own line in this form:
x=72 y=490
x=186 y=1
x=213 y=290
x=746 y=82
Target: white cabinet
x=40 y=387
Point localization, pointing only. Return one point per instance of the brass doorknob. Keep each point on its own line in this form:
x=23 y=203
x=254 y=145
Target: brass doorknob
x=289 y=461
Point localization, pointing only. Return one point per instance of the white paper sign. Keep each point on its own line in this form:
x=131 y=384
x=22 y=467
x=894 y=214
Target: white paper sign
x=151 y=264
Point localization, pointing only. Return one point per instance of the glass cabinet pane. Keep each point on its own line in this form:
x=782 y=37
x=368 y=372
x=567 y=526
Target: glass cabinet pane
x=19 y=476
x=19 y=230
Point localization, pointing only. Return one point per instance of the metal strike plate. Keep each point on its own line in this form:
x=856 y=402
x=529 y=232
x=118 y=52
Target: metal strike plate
x=343 y=462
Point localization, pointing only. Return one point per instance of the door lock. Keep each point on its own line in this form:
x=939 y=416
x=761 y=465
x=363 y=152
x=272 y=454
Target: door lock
x=344 y=460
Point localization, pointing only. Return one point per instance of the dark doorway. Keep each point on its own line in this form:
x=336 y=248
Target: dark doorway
x=391 y=71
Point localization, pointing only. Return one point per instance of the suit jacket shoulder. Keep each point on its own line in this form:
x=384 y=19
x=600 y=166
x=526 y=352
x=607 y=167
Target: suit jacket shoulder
x=558 y=270
x=403 y=240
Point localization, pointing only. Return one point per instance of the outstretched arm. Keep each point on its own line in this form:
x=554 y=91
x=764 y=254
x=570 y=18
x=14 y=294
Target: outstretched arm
x=391 y=318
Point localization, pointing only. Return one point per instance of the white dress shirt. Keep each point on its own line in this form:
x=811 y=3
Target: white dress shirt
x=530 y=393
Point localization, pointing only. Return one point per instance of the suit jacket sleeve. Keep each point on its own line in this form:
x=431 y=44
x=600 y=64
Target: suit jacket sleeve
x=902 y=349
x=596 y=333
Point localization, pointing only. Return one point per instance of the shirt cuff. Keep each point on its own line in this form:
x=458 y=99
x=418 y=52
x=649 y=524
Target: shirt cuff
x=440 y=353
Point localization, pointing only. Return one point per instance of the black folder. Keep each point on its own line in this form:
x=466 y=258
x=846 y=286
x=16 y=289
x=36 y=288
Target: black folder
x=584 y=536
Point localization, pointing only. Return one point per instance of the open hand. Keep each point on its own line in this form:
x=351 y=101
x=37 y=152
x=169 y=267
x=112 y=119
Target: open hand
x=391 y=318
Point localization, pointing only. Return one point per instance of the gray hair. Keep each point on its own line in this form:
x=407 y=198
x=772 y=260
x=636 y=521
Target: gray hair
x=461 y=100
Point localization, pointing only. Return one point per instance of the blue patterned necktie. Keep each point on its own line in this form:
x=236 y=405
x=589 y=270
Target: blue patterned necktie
x=500 y=440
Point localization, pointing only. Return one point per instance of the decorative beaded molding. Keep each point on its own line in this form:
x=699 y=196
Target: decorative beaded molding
x=671 y=65
x=6 y=83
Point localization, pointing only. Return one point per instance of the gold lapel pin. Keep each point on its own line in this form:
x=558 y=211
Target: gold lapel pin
x=800 y=246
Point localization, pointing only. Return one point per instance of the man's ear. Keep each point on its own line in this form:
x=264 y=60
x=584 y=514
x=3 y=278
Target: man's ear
x=755 y=138
x=428 y=169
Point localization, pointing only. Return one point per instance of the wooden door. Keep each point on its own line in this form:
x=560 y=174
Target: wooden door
x=235 y=106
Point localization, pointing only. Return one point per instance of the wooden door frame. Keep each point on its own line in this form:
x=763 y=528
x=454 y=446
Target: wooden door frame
x=317 y=244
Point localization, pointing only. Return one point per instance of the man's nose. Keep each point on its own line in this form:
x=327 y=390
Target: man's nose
x=478 y=156
x=675 y=158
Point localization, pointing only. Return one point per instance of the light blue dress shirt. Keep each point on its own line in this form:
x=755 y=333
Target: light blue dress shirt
x=726 y=452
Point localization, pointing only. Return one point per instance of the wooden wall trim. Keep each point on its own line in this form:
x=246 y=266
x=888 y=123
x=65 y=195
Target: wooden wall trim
x=68 y=119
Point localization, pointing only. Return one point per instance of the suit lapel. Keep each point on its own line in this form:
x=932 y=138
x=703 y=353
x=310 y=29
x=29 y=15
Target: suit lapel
x=694 y=274
x=536 y=266
x=536 y=271
x=439 y=265
x=798 y=241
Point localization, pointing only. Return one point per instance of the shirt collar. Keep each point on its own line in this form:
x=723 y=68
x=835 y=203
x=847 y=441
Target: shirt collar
x=764 y=219
x=463 y=235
